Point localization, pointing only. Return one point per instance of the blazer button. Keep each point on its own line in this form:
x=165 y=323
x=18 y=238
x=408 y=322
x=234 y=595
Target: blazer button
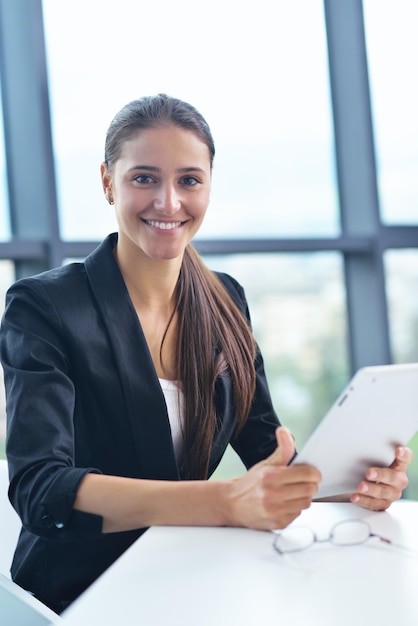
x=48 y=521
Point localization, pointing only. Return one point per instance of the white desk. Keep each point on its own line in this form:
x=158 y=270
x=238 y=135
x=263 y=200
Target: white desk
x=223 y=576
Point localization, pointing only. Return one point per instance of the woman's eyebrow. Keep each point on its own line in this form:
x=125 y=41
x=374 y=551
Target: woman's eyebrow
x=152 y=168
x=147 y=168
x=185 y=170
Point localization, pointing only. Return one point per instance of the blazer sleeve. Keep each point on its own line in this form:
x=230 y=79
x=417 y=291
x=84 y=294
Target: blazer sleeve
x=40 y=403
x=257 y=439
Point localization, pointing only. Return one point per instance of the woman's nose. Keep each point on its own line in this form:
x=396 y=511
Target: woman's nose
x=167 y=200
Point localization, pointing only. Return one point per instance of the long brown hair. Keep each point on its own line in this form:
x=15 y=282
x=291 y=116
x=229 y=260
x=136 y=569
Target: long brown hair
x=213 y=336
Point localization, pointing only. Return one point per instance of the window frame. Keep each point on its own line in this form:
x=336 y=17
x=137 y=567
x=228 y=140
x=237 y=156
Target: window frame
x=35 y=243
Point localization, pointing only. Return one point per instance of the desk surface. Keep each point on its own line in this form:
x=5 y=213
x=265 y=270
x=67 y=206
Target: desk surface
x=214 y=576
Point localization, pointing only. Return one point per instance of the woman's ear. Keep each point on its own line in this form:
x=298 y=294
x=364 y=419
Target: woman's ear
x=106 y=183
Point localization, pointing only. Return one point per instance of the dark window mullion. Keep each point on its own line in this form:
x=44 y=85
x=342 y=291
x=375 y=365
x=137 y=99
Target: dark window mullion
x=356 y=169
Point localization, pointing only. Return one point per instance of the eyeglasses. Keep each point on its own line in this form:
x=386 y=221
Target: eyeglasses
x=347 y=533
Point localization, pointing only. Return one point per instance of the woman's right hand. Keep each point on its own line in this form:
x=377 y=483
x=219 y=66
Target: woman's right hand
x=269 y=496
x=272 y=494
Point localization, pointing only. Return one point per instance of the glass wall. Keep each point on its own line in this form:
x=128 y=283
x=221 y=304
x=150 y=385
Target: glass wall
x=259 y=77
x=4 y=212
x=402 y=287
x=392 y=46
x=298 y=312
x=6 y=267
x=6 y=278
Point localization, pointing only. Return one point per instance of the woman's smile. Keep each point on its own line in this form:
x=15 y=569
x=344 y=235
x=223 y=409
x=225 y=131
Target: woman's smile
x=165 y=226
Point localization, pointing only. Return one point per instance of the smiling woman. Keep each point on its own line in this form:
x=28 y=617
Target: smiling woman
x=90 y=347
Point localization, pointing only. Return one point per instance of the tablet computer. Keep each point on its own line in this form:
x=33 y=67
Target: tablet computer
x=377 y=411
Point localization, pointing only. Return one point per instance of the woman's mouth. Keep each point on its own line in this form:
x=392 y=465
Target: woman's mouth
x=163 y=225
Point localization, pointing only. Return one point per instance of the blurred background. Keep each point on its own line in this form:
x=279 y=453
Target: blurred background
x=314 y=207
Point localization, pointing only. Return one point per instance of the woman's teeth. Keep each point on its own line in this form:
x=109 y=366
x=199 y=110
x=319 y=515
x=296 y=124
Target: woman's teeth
x=163 y=225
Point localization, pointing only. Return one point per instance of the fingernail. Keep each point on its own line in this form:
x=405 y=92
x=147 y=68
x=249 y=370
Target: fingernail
x=372 y=475
x=364 y=488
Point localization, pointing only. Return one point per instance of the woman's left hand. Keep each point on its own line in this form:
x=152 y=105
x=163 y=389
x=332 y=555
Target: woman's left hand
x=384 y=485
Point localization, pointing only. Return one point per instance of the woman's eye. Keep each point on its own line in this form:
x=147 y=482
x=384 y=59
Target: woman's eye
x=190 y=181
x=144 y=179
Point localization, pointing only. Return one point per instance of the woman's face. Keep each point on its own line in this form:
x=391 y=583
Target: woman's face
x=160 y=186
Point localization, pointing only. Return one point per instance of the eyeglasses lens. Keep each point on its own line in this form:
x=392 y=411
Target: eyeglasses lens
x=350 y=533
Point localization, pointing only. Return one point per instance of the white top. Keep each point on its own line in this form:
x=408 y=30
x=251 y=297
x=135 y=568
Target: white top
x=174 y=400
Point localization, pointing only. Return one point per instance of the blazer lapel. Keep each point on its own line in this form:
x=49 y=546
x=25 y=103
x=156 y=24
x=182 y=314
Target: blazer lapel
x=145 y=402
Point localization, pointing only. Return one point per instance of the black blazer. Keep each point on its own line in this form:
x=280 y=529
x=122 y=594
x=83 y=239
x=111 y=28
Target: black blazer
x=83 y=396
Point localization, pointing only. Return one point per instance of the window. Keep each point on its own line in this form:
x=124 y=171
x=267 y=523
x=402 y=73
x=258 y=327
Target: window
x=298 y=314
x=259 y=77
x=392 y=47
x=6 y=279
x=6 y=271
x=402 y=281
x=4 y=208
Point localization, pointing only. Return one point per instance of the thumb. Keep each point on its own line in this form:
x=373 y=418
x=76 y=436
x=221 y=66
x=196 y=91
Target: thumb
x=286 y=447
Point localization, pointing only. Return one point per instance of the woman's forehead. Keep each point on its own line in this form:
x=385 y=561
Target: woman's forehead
x=166 y=142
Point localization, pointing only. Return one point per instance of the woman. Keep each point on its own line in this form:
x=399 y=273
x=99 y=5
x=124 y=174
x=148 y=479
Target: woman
x=127 y=376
